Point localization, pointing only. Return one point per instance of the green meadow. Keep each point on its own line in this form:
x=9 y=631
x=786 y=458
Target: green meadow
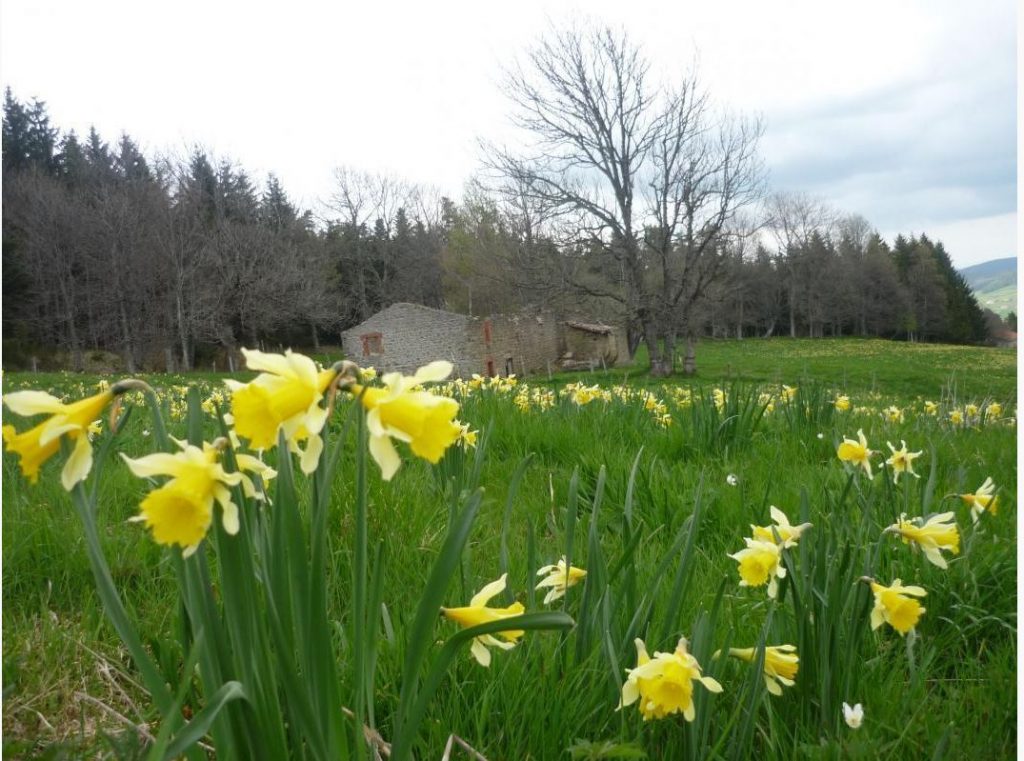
x=651 y=509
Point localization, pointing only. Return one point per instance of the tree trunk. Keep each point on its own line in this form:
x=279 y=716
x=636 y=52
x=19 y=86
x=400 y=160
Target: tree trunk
x=129 y=348
x=651 y=338
x=633 y=338
x=690 y=361
x=669 y=357
x=792 y=313
x=182 y=333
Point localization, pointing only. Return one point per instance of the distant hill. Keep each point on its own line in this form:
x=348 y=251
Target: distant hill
x=994 y=284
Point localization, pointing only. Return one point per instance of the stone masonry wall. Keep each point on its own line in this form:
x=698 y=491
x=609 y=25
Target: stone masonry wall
x=520 y=344
x=411 y=336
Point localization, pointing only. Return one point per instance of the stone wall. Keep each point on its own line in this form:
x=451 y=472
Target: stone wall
x=519 y=344
x=403 y=337
x=585 y=345
x=410 y=336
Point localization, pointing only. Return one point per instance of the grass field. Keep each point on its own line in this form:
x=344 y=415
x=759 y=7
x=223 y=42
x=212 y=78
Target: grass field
x=651 y=506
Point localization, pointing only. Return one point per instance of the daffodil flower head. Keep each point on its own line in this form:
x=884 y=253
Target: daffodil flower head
x=901 y=461
x=664 y=684
x=993 y=411
x=896 y=606
x=983 y=500
x=403 y=411
x=284 y=397
x=856 y=452
x=467 y=438
x=477 y=613
x=74 y=421
x=930 y=408
x=938 y=533
x=781 y=664
x=788 y=393
x=559 y=578
x=782 y=532
x=853 y=716
x=719 y=398
x=842 y=403
x=893 y=414
x=179 y=512
x=759 y=564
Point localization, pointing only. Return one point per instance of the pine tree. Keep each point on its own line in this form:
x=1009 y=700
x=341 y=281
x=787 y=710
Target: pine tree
x=74 y=168
x=275 y=210
x=15 y=134
x=129 y=162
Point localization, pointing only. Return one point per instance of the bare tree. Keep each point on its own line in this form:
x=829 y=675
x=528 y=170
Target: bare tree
x=645 y=181
x=794 y=220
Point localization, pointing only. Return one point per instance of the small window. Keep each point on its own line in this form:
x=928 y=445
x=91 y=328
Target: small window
x=490 y=368
x=372 y=344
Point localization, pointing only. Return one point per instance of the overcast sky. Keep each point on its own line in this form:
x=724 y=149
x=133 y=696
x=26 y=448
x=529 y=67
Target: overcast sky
x=904 y=112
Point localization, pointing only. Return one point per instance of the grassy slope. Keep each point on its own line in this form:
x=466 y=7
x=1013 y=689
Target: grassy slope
x=56 y=641
x=1002 y=301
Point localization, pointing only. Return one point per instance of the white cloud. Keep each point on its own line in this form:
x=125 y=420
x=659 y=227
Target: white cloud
x=899 y=111
x=969 y=241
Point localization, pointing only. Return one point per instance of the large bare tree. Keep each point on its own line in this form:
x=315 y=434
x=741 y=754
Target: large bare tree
x=646 y=180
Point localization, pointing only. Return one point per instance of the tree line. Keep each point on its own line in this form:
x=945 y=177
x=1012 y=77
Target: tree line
x=638 y=204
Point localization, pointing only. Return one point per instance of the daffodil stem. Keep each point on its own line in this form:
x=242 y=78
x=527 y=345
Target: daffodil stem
x=360 y=636
x=115 y=611
x=402 y=746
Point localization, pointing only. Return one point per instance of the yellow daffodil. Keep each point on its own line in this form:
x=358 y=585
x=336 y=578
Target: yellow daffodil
x=896 y=606
x=938 y=533
x=842 y=403
x=982 y=500
x=180 y=512
x=788 y=535
x=788 y=393
x=664 y=684
x=781 y=664
x=893 y=414
x=559 y=579
x=402 y=410
x=971 y=410
x=956 y=417
x=759 y=564
x=931 y=408
x=856 y=452
x=467 y=438
x=477 y=613
x=993 y=411
x=901 y=461
x=719 y=398
x=285 y=397
x=38 y=444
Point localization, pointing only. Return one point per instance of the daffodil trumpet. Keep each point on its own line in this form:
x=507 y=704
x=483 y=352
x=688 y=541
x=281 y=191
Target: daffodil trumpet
x=403 y=411
x=180 y=511
x=71 y=422
x=895 y=605
x=781 y=664
x=285 y=397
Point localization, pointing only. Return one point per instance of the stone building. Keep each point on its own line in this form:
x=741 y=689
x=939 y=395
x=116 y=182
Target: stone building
x=406 y=336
